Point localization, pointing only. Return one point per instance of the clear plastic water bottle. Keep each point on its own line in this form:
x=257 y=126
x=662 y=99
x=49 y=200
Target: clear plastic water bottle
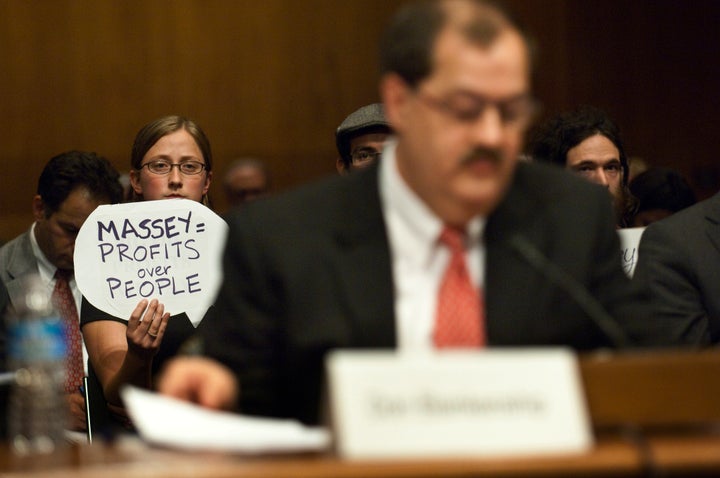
x=37 y=413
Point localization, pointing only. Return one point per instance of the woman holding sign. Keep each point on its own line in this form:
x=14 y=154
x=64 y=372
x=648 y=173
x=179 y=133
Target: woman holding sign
x=170 y=159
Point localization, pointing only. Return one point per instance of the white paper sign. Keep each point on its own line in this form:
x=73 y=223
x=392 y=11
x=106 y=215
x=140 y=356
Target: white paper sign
x=629 y=241
x=482 y=403
x=168 y=249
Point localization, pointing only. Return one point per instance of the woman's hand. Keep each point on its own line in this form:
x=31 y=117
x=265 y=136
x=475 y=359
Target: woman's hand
x=146 y=328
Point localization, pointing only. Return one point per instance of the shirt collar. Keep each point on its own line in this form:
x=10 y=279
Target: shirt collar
x=417 y=224
x=45 y=267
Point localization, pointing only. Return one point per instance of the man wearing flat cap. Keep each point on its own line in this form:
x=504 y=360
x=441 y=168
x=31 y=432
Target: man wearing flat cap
x=360 y=138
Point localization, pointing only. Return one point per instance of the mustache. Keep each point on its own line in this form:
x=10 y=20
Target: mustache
x=482 y=154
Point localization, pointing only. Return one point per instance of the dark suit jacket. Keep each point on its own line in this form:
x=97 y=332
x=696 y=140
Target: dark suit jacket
x=679 y=261
x=310 y=271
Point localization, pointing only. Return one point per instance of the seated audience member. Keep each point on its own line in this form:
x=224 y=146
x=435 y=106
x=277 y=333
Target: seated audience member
x=127 y=189
x=587 y=142
x=70 y=187
x=170 y=158
x=360 y=138
x=246 y=180
x=4 y=388
x=380 y=259
x=4 y=301
x=658 y=193
x=678 y=260
x=636 y=165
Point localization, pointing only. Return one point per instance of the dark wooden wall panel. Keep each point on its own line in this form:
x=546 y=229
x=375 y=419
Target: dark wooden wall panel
x=273 y=78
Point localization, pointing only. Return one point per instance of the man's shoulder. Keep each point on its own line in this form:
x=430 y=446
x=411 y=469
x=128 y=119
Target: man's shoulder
x=321 y=201
x=18 y=245
x=17 y=258
x=689 y=219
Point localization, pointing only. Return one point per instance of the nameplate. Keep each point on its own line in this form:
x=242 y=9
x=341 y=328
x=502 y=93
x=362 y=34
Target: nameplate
x=460 y=404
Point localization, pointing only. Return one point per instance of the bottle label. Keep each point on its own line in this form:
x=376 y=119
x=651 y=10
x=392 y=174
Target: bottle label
x=38 y=340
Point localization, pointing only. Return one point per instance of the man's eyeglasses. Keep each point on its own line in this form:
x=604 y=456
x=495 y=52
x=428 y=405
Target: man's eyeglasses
x=514 y=113
x=161 y=167
x=364 y=155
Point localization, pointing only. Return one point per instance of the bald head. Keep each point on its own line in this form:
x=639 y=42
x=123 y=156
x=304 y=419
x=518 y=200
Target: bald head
x=246 y=180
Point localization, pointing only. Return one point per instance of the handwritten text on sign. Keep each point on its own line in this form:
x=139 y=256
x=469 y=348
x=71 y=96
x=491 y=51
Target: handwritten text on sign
x=167 y=249
x=629 y=242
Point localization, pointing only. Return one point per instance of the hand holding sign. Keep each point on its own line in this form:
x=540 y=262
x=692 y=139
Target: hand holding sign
x=168 y=250
x=145 y=336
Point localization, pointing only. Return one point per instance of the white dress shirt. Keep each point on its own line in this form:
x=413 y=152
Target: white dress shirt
x=418 y=259
x=47 y=276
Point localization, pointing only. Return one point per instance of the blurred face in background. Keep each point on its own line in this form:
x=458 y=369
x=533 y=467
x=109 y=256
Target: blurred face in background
x=245 y=183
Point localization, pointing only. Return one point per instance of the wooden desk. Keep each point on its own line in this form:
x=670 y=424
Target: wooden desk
x=130 y=459
x=686 y=454
x=677 y=392
x=665 y=454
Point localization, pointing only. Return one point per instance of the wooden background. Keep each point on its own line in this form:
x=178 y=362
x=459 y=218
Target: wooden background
x=274 y=78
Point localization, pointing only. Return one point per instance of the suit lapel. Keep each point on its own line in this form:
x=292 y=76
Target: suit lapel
x=19 y=265
x=508 y=279
x=364 y=265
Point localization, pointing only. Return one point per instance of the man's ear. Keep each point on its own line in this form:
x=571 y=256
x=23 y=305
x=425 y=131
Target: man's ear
x=395 y=94
x=38 y=207
x=340 y=166
x=135 y=182
x=208 y=179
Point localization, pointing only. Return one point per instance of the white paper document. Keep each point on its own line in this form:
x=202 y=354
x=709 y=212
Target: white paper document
x=169 y=422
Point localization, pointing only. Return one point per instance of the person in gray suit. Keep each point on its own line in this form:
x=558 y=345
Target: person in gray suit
x=357 y=261
x=679 y=262
x=70 y=187
x=4 y=300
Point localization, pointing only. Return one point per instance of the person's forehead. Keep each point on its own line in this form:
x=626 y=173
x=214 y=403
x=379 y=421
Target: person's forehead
x=502 y=65
x=179 y=140
x=367 y=138
x=77 y=206
x=596 y=147
x=247 y=173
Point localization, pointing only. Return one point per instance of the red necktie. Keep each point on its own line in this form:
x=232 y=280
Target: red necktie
x=459 y=319
x=65 y=304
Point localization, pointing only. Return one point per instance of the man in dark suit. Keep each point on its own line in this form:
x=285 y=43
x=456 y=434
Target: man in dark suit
x=678 y=260
x=356 y=262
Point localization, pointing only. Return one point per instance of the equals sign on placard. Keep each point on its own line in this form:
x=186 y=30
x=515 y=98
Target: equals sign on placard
x=200 y=227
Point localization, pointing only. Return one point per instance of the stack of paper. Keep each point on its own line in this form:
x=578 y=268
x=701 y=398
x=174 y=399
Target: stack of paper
x=169 y=422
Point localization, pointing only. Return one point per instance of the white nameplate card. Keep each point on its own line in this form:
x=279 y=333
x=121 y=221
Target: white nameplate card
x=479 y=403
